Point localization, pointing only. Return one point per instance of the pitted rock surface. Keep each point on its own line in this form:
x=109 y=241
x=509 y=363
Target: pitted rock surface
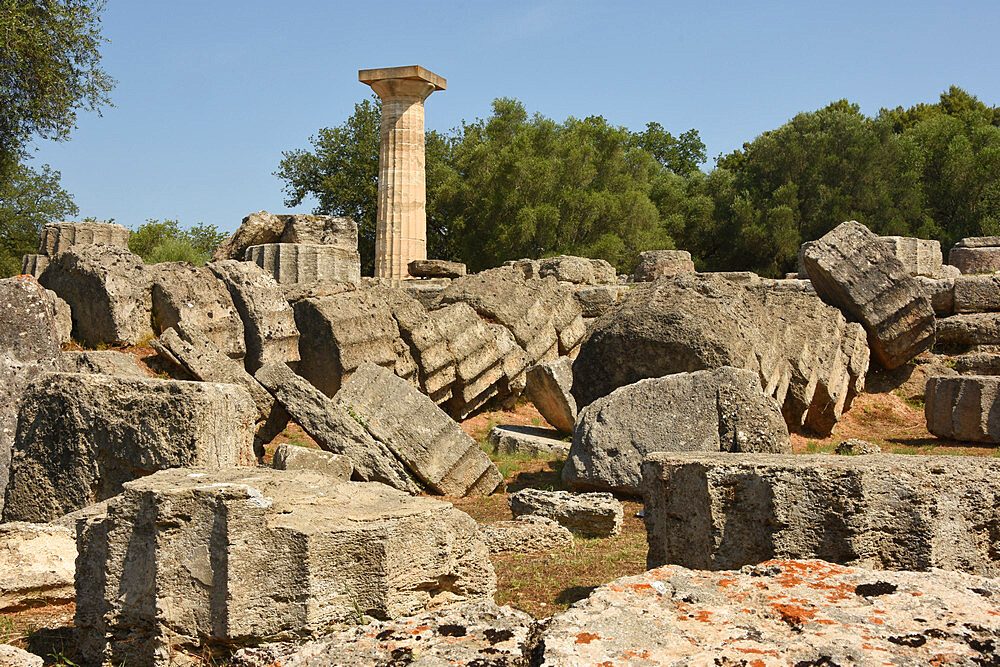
x=919 y=257
x=303 y=263
x=885 y=511
x=37 y=563
x=80 y=437
x=851 y=269
x=587 y=514
x=102 y=362
x=940 y=292
x=964 y=407
x=857 y=447
x=968 y=329
x=977 y=294
x=655 y=264
x=224 y=558
x=980 y=259
x=294 y=457
x=709 y=411
x=435 y=268
x=11 y=656
x=528 y=533
x=809 y=358
x=781 y=612
x=472 y=634
x=548 y=387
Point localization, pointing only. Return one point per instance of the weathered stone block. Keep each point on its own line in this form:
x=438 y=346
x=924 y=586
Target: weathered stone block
x=588 y=514
x=186 y=559
x=964 y=407
x=292 y=263
x=183 y=291
x=529 y=533
x=11 y=656
x=548 y=387
x=850 y=269
x=940 y=292
x=884 y=511
x=579 y=270
x=969 y=329
x=919 y=257
x=968 y=260
x=597 y=299
x=325 y=230
x=37 y=564
x=108 y=290
x=58 y=237
x=979 y=242
x=62 y=315
x=80 y=437
x=268 y=320
x=655 y=264
x=418 y=432
x=255 y=229
x=978 y=363
x=435 y=268
x=335 y=429
x=33 y=265
x=977 y=294
x=709 y=411
x=476 y=634
x=102 y=362
x=530 y=441
x=781 y=612
x=292 y=457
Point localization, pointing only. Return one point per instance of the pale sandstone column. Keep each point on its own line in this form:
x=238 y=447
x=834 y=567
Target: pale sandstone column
x=401 y=229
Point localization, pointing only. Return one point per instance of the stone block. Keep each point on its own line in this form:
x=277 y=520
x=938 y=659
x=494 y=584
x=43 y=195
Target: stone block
x=964 y=407
x=969 y=329
x=579 y=270
x=548 y=387
x=587 y=514
x=851 y=269
x=108 y=290
x=58 y=237
x=80 y=437
x=324 y=230
x=195 y=560
x=37 y=565
x=655 y=264
x=335 y=429
x=977 y=294
x=29 y=347
x=884 y=511
x=940 y=292
x=183 y=291
x=538 y=443
x=435 y=268
x=529 y=533
x=268 y=320
x=294 y=263
x=419 y=433
x=979 y=242
x=33 y=265
x=781 y=612
x=919 y=257
x=102 y=362
x=255 y=229
x=708 y=411
x=857 y=447
x=476 y=634
x=595 y=300
x=11 y=656
x=62 y=316
x=188 y=347
x=971 y=260
x=978 y=363
x=292 y=457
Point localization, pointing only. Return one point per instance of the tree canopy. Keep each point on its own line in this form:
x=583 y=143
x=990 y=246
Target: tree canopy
x=165 y=241
x=28 y=200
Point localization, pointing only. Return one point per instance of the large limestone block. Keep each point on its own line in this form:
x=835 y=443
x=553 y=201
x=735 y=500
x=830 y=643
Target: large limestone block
x=183 y=291
x=476 y=634
x=548 y=387
x=294 y=457
x=705 y=411
x=435 y=268
x=919 y=257
x=655 y=264
x=537 y=443
x=292 y=263
x=199 y=559
x=11 y=656
x=323 y=230
x=579 y=270
x=850 y=269
x=595 y=300
x=809 y=358
x=782 y=612
x=940 y=292
x=979 y=242
x=188 y=347
x=80 y=437
x=37 y=564
x=256 y=228
x=589 y=514
x=108 y=290
x=343 y=331
x=528 y=533
x=29 y=347
x=418 y=432
x=60 y=236
x=964 y=407
x=884 y=511
x=979 y=259
x=102 y=362
x=969 y=329
x=268 y=320
x=977 y=294
x=62 y=315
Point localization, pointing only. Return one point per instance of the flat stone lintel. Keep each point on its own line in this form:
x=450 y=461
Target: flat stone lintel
x=412 y=72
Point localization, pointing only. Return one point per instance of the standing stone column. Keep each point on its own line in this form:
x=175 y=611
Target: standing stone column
x=401 y=230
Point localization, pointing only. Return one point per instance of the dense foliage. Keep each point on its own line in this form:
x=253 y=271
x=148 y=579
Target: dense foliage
x=28 y=200
x=514 y=185
x=164 y=241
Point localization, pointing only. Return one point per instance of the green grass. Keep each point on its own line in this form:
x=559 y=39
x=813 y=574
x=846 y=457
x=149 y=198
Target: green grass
x=813 y=447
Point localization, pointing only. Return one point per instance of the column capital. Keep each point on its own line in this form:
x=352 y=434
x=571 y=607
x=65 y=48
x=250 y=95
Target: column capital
x=409 y=80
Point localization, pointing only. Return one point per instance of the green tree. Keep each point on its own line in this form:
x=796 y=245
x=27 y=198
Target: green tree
x=28 y=200
x=49 y=68
x=164 y=241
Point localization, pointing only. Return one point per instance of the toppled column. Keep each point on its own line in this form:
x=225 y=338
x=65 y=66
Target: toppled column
x=401 y=231
x=964 y=407
x=195 y=559
x=883 y=511
x=852 y=270
x=60 y=236
x=80 y=437
x=294 y=263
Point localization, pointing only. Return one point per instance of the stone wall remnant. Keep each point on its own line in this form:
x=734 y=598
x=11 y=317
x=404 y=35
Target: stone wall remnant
x=964 y=407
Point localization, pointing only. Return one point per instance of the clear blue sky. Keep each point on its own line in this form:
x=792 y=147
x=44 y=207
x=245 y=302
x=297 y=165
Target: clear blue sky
x=210 y=92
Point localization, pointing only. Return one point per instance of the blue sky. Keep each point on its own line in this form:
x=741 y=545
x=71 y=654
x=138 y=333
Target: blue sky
x=210 y=92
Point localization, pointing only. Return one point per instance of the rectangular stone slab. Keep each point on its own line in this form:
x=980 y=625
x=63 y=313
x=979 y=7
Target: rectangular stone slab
x=880 y=511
